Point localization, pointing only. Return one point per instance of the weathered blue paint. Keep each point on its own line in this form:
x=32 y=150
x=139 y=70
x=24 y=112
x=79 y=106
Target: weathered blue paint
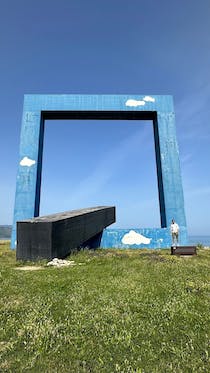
x=160 y=109
x=159 y=238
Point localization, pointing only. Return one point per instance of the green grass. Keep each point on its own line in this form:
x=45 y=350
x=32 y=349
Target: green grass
x=121 y=311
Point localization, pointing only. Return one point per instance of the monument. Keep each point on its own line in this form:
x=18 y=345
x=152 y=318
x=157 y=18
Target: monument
x=158 y=108
x=57 y=235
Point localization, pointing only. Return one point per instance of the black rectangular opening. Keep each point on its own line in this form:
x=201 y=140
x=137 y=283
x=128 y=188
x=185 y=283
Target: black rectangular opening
x=100 y=115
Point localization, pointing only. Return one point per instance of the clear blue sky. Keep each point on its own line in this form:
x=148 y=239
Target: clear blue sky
x=108 y=47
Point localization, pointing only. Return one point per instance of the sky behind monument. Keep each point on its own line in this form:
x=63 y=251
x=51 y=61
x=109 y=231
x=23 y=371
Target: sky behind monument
x=108 y=47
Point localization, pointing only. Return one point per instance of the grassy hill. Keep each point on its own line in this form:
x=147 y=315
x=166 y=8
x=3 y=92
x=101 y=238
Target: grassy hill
x=113 y=311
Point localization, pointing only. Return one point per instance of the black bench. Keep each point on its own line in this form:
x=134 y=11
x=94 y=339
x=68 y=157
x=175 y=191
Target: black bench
x=56 y=235
x=183 y=250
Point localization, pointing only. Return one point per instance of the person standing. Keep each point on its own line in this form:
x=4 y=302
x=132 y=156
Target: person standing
x=174 y=232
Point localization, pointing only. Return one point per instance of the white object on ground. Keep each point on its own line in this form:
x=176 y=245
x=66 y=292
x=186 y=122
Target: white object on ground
x=61 y=263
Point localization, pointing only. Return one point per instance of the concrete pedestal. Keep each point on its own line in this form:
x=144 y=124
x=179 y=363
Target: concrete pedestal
x=183 y=250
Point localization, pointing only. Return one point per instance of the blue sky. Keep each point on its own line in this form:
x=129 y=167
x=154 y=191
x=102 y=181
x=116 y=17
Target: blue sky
x=108 y=47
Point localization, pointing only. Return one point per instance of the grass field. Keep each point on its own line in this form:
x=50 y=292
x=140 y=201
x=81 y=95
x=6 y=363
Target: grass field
x=114 y=311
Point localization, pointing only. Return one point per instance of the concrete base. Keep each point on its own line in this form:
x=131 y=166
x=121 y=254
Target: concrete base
x=183 y=250
x=141 y=238
x=56 y=235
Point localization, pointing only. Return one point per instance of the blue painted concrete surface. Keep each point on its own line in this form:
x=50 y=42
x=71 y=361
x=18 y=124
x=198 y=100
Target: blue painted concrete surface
x=160 y=238
x=28 y=182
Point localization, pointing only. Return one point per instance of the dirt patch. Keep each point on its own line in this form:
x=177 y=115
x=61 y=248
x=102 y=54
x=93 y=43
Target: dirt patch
x=29 y=268
x=186 y=256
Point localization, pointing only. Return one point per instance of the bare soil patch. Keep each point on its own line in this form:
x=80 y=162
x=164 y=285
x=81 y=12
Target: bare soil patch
x=29 y=268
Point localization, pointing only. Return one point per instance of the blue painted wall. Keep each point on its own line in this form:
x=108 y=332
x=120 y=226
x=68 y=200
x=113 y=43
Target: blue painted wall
x=167 y=157
x=153 y=238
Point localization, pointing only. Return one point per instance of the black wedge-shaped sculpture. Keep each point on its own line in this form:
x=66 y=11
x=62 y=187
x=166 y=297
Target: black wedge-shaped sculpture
x=56 y=235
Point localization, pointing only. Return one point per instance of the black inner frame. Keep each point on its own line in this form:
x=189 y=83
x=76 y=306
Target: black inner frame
x=100 y=115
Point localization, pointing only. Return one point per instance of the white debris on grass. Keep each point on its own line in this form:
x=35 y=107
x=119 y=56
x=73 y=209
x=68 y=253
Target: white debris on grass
x=61 y=263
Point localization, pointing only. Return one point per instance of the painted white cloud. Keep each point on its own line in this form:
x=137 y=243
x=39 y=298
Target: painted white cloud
x=134 y=103
x=149 y=99
x=133 y=238
x=27 y=162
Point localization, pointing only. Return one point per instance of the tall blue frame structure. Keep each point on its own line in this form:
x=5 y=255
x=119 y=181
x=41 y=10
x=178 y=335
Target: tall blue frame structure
x=158 y=108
